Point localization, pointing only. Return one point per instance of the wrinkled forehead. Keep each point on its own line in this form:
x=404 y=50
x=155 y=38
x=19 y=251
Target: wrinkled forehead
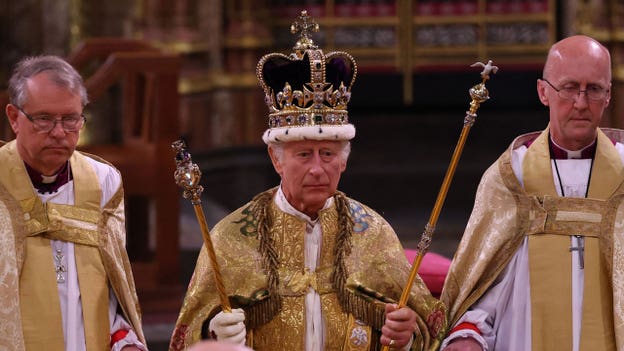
x=313 y=144
x=43 y=90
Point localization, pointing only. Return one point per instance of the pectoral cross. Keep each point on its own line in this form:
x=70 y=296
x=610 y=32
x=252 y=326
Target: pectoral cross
x=580 y=248
x=60 y=267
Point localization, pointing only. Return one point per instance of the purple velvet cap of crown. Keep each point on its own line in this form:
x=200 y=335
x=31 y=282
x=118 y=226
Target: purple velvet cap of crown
x=281 y=69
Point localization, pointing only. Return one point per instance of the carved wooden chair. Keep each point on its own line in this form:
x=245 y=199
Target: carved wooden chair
x=144 y=119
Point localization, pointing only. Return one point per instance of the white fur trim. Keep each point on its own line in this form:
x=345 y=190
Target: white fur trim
x=318 y=132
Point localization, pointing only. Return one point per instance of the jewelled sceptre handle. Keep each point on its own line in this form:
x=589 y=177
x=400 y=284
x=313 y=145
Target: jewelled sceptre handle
x=187 y=175
x=478 y=94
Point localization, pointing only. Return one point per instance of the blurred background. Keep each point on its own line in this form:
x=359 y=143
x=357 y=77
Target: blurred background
x=158 y=70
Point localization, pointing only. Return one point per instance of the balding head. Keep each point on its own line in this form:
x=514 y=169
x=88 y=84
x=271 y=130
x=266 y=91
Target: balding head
x=576 y=87
x=578 y=46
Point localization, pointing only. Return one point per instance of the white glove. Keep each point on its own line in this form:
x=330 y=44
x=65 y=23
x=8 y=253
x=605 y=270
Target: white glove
x=229 y=327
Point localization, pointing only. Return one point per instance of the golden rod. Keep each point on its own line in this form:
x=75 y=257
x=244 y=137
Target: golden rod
x=479 y=94
x=187 y=176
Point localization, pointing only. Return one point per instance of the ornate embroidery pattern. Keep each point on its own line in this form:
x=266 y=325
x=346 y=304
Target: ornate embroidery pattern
x=360 y=217
x=359 y=336
x=435 y=321
x=248 y=221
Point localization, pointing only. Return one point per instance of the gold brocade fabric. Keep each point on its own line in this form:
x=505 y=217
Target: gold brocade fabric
x=10 y=319
x=504 y=213
x=549 y=253
x=358 y=339
x=40 y=304
x=288 y=235
x=100 y=250
x=376 y=272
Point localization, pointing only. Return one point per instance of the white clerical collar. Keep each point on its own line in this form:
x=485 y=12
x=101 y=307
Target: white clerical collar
x=586 y=152
x=285 y=206
x=49 y=179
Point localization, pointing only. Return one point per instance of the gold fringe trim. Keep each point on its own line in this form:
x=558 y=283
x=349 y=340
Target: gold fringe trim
x=363 y=308
x=343 y=244
x=263 y=311
x=362 y=304
x=375 y=344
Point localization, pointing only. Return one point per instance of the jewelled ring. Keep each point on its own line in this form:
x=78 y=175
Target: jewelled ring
x=392 y=342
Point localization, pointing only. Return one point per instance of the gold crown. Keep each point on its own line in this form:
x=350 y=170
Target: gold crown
x=307 y=92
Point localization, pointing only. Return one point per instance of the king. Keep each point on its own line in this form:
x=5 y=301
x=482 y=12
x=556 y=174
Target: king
x=306 y=267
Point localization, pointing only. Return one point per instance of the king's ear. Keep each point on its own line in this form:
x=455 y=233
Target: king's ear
x=275 y=160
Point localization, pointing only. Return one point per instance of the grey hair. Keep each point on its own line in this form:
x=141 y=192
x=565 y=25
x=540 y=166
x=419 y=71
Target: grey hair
x=278 y=150
x=60 y=72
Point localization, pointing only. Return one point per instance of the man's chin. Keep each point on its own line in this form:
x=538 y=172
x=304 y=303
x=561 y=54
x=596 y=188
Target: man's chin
x=584 y=131
x=583 y=124
x=57 y=152
x=317 y=197
x=56 y=159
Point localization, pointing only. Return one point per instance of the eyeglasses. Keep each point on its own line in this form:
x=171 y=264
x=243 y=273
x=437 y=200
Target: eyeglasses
x=45 y=123
x=570 y=92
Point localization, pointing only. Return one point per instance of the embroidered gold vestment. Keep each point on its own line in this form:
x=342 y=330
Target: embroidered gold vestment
x=30 y=313
x=376 y=271
x=505 y=213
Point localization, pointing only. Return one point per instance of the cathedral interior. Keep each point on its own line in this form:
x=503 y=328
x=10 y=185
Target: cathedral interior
x=160 y=70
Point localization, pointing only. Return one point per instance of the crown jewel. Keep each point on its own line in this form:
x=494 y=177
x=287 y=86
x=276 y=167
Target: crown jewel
x=308 y=91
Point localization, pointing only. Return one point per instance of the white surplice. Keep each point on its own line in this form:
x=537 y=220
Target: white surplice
x=503 y=314
x=69 y=292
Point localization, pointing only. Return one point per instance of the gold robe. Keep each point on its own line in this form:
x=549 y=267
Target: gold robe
x=375 y=272
x=505 y=212
x=24 y=219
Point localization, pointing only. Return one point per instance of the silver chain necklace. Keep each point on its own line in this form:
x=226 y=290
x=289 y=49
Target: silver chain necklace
x=59 y=256
x=580 y=241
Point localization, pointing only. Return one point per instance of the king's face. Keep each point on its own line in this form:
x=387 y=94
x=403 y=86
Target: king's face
x=310 y=172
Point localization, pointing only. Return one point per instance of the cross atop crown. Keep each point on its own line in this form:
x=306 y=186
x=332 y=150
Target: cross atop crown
x=304 y=24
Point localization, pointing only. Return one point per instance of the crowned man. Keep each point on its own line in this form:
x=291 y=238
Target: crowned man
x=306 y=267
x=540 y=266
x=66 y=278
